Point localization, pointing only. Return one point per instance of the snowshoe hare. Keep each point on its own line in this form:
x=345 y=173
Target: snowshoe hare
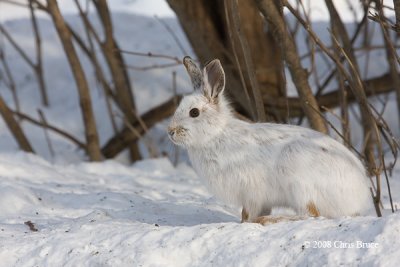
x=259 y=166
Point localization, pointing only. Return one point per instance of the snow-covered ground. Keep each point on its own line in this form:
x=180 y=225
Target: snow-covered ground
x=60 y=211
x=153 y=214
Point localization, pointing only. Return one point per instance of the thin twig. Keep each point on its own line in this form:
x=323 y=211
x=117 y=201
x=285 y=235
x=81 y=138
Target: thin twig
x=175 y=93
x=391 y=56
x=91 y=133
x=297 y=71
x=339 y=134
x=50 y=127
x=17 y=47
x=153 y=55
x=235 y=55
x=91 y=53
x=46 y=134
x=368 y=122
x=38 y=68
x=15 y=3
x=155 y=66
x=14 y=127
x=250 y=71
x=172 y=32
x=41 y=6
x=11 y=82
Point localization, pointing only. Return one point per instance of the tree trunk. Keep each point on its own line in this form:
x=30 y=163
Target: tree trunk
x=207 y=28
x=14 y=127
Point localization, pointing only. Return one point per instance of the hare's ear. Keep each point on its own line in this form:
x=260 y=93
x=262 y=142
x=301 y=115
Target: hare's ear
x=214 y=80
x=194 y=72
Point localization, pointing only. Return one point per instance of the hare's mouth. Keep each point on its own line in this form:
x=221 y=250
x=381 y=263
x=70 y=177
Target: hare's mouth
x=177 y=135
x=172 y=138
x=176 y=141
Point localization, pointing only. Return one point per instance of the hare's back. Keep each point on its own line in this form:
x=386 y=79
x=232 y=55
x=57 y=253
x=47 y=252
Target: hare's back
x=305 y=144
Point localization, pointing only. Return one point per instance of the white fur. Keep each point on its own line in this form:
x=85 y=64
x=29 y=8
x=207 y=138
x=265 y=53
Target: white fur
x=265 y=165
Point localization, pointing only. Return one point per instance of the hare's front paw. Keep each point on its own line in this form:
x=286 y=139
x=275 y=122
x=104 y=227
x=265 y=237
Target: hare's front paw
x=312 y=210
x=245 y=215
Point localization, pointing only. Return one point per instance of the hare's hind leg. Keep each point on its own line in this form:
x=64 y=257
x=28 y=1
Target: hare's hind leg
x=246 y=216
x=270 y=219
x=311 y=211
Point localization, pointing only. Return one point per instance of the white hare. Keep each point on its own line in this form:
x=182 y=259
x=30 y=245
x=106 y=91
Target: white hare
x=259 y=166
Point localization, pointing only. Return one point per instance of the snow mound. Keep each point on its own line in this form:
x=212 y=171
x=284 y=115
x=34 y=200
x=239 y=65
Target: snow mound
x=153 y=214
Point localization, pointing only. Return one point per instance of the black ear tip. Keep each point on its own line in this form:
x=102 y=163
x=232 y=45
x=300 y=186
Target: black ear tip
x=187 y=61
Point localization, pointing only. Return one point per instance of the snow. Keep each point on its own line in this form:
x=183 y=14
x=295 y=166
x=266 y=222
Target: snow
x=151 y=213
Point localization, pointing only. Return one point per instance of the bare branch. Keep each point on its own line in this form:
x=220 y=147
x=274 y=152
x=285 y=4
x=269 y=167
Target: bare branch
x=10 y=78
x=15 y=3
x=299 y=74
x=396 y=4
x=152 y=55
x=92 y=138
x=14 y=127
x=120 y=141
x=375 y=86
x=172 y=33
x=38 y=68
x=16 y=46
x=155 y=66
x=250 y=71
x=52 y=128
x=235 y=55
x=91 y=53
x=46 y=134
x=391 y=55
x=116 y=63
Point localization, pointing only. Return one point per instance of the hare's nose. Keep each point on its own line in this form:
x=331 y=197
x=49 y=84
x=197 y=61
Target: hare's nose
x=171 y=131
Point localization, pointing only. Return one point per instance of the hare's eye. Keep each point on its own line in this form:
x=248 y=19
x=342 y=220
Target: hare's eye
x=194 y=112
